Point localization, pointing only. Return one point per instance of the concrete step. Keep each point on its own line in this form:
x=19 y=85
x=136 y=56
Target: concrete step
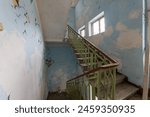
x=120 y=78
x=137 y=96
x=125 y=90
x=58 y=96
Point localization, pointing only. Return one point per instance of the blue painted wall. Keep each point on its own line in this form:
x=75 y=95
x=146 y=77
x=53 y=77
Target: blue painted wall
x=123 y=37
x=71 y=17
x=63 y=65
x=21 y=52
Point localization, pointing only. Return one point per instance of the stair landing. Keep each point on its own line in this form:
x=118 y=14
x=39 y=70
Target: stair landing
x=125 y=90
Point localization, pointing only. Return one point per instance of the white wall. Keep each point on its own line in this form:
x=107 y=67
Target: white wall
x=21 y=52
x=54 y=16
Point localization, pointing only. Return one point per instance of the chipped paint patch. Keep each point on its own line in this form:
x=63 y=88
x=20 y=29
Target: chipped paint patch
x=134 y=14
x=59 y=79
x=96 y=39
x=109 y=31
x=129 y=39
x=121 y=27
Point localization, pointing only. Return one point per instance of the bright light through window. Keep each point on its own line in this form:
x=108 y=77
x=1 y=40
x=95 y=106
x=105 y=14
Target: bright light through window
x=82 y=32
x=97 y=24
x=102 y=25
x=95 y=28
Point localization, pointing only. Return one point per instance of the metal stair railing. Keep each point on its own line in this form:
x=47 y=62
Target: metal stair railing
x=99 y=78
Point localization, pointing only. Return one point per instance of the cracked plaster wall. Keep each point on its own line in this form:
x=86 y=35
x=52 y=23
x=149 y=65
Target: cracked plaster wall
x=21 y=52
x=123 y=36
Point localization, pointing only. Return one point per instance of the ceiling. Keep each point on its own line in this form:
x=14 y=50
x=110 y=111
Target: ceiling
x=54 y=16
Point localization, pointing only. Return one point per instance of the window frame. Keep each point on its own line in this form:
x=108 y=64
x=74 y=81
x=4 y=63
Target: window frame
x=81 y=29
x=94 y=20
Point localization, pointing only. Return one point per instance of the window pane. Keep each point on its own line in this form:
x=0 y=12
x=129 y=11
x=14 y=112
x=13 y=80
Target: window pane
x=102 y=24
x=82 y=32
x=95 y=28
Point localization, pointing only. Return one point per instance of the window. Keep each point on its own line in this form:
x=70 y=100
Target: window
x=97 y=25
x=81 y=31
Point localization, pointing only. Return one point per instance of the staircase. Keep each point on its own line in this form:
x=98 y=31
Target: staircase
x=100 y=79
x=124 y=91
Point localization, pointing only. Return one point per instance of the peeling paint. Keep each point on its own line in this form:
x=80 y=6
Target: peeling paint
x=59 y=79
x=109 y=31
x=96 y=40
x=64 y=68
x=21 y=61
x=135 y=14
x=129 y=39
x=122 y=38
x=121 y=27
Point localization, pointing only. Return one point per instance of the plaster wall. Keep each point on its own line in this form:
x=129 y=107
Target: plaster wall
x=63 y=66
x=54 y=15
x=21 y=52
x=123 y=36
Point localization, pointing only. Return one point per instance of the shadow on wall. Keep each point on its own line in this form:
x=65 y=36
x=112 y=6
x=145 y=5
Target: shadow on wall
x=63 y=65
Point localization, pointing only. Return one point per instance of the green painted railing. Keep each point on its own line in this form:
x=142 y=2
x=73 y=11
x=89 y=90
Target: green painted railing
x=99 y=78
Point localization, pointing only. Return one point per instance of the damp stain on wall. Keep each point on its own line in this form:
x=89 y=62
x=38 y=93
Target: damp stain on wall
x=21 y=45
x=64 y=67
x=128 y=38
x=123 y=33
x=109 y=31
x=31 y=1
x=135 y=14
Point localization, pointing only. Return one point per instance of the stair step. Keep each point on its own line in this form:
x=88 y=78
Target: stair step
x=120 y=78
x=58 y=96
x=136 y=97
x=125 y=90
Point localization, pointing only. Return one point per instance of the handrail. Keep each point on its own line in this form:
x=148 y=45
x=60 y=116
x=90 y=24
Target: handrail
x=94 y=70
x=100 y=68
x=112 y=60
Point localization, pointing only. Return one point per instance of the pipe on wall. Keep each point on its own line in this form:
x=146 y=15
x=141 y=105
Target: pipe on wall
x=146 y=51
